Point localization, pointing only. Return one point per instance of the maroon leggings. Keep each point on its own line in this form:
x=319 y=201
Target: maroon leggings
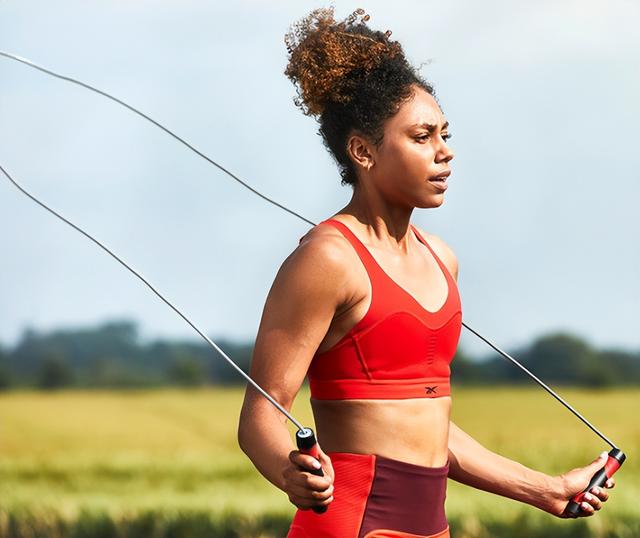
x=380 y=497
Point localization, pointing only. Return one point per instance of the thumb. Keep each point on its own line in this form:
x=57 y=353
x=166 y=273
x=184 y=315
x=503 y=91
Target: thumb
x=324 y=459
x=599 y=462
x=326 y=463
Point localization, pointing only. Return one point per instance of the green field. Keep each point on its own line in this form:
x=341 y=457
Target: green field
x=166 y=463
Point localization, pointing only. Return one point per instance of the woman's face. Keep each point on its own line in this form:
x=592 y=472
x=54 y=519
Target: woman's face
x=413 y=153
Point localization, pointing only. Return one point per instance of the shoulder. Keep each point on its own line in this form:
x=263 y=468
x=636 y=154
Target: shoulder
x=320 y=261
x=442 y=250
x=325 y=245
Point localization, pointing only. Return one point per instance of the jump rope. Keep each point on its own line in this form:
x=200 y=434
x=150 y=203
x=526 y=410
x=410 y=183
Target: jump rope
x=305 y=437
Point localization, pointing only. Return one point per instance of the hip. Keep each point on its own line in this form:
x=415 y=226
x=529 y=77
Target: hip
x=379 y=497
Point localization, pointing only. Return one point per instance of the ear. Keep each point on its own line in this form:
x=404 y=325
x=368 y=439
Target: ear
x=360 y=150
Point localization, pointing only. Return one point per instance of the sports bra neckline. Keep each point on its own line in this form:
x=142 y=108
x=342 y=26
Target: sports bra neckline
x=443 y=269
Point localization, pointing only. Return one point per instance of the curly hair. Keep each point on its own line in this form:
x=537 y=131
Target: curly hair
x=349 y=77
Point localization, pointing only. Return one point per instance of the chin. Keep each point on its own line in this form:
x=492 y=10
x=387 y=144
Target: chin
x=436 y=201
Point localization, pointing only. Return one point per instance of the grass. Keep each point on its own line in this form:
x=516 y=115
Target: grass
x=166 y=463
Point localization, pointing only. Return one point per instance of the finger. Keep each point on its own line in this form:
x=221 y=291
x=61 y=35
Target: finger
x=322 y=495
x=611 y=483
x=310 y=482
x=305 y=499
x=310 y=495
x=307 y=505
x=326 y=502
x=593 y=501
x=304 y=461
x=600 y=461
x=317 y=483
x=587 y=509
x=325 y=461
x=601 y=493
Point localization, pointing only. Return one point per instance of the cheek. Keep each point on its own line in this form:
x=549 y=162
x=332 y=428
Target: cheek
x=414 y=160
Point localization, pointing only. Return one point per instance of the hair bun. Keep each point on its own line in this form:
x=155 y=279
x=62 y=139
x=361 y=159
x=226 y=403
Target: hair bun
x=325 y=55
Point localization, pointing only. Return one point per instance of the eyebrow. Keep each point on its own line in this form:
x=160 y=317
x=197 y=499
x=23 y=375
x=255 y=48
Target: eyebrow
x=430 y=126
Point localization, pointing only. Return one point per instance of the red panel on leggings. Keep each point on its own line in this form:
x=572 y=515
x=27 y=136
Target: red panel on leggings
x=378 y=497
x=354 y=476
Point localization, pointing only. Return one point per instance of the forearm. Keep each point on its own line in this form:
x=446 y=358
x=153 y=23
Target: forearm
x=472 y=464
x=264 y=437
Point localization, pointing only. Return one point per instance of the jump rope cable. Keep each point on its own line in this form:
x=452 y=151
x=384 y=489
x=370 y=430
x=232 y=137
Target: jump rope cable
x=304 y=431
x=154 y=290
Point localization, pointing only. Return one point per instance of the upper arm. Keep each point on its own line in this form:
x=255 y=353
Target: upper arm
x=309 y=287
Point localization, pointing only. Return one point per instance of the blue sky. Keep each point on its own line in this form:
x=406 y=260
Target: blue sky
x=542 y=205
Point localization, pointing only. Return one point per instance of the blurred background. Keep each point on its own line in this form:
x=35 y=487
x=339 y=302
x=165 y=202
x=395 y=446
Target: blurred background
x=116 y=420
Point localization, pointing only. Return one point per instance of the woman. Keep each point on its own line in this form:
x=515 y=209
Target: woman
x=367 y=307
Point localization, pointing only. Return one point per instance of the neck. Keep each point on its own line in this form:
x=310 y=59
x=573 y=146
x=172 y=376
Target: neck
x=384 y=220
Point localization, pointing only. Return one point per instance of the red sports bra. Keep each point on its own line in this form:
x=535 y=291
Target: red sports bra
x=398 y=349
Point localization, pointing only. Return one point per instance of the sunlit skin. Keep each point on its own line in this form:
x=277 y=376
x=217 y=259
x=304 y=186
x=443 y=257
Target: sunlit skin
x=393 y=180
x=322 y=290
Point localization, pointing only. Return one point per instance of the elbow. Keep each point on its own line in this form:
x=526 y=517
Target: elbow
x=249 y=428
x=243 y=435
x=241 y=439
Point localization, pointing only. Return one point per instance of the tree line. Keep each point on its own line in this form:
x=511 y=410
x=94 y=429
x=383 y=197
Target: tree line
x=112 y=355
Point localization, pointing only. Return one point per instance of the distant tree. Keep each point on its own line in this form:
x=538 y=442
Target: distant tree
x=464 y=370
x=562 y=358
x=618 y=367
x=115 y=373
x=5 y=374
x=188 y=372
x=111 y=355
x=5 y=378
x=598 y=375
x=55 y=372
x=220 y=371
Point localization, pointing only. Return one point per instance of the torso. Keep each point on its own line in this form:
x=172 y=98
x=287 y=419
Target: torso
x=413 y=430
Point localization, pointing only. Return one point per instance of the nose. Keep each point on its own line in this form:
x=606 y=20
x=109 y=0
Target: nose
x=445 y=153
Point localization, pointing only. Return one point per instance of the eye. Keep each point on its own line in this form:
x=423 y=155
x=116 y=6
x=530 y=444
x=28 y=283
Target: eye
x=445 y=137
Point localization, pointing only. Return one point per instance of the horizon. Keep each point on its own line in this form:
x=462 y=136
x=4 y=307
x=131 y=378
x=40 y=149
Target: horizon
x=540 y=210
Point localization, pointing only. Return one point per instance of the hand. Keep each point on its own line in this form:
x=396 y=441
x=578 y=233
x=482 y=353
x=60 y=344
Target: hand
x=304 y=489
x=574 y=482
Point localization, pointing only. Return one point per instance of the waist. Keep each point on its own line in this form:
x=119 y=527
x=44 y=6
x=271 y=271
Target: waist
x=398 y=466
x=411 y=430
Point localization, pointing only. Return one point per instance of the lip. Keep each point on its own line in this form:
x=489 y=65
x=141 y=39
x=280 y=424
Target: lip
x=442 y=175
x=441 y=180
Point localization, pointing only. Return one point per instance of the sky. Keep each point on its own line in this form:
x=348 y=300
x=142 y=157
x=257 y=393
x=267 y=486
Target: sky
x=541 y=209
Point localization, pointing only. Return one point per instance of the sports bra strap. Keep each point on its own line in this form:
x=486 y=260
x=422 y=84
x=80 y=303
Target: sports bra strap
x=442 y=265
x=366 y=257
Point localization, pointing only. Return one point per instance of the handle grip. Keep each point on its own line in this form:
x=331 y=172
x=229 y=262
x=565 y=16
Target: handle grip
x=307 y=444
x=614 y=462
